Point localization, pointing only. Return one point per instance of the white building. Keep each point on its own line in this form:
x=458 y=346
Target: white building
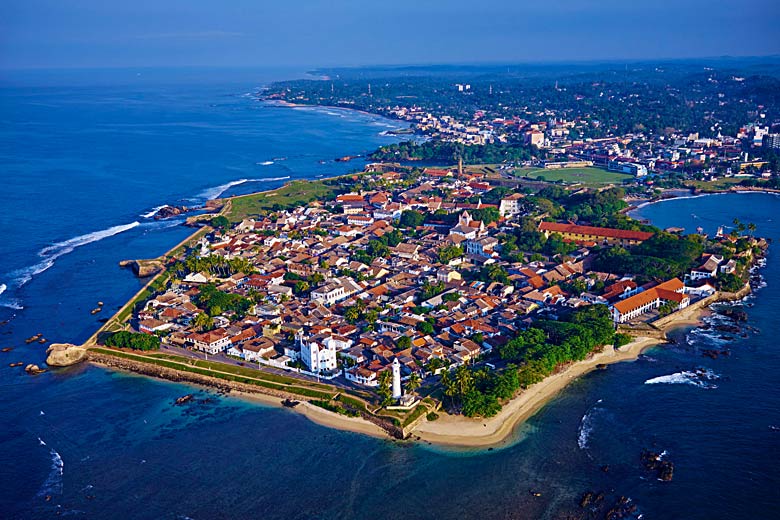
x=396 y=379
x=317 y=357
x=212 y=342
x=335 y=291
x=511 y=205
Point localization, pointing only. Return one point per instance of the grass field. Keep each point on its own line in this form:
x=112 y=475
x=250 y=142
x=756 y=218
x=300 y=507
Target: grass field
x=575 y=175
x=720 y=184
x=293 y=194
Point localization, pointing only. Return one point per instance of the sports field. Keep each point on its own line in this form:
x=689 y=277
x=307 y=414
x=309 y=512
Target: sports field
x=585 y=175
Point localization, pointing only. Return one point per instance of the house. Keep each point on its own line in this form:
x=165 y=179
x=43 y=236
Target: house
x=484 y=246
x=709 y=269
x=335 y=290
x=670 y=291
x=511 y=205
x=362 y=376
x=152 y=325
x=212 y=342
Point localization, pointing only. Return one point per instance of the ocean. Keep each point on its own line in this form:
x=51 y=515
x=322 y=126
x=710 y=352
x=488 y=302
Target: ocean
x=84 y=161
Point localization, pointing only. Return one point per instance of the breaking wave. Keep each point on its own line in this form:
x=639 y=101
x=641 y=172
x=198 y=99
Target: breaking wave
x=586 y=427
x=154 y=211
x=51 y=253
x=53 y=483
x=702 y=378
x=216 y=191
x=265 y=163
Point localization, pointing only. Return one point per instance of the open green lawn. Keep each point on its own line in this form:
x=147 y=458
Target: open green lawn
x=294 y=194
x=720 y=184
x=587 y=175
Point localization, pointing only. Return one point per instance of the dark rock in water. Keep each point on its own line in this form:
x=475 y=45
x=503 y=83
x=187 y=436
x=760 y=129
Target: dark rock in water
x=289 y=403
x=586 y=499
x=170 y=211
x=735 y=314
x=183 y=399
x=728 y=328
x=714 y=353
x=601 y=366
x=623 y=508
x=605 y=468
x=654 y=461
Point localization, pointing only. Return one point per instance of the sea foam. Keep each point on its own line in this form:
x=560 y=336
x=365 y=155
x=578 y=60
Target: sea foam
x=586 y=426
x=53 y=483
x=51 y=253
x=216 y=191
x=700 y=378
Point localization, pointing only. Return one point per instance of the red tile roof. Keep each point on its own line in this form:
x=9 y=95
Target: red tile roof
x=624 y=234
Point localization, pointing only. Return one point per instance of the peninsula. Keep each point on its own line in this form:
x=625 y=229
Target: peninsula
x=437 y=304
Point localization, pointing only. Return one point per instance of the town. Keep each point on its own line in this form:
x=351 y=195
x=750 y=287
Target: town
x=430 y=283
x=677 y=125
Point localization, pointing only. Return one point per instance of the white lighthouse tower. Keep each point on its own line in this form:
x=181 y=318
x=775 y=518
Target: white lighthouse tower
x=396 y=379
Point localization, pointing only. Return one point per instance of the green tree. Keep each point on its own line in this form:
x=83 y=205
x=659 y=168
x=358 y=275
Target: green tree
x=413 y=383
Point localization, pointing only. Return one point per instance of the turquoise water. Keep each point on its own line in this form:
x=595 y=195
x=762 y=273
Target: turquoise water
x=102 y=444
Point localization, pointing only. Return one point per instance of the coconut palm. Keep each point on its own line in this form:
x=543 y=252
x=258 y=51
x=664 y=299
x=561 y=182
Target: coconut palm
x=413 y=383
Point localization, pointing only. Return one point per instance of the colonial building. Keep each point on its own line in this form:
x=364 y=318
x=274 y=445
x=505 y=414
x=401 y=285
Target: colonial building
x=631 y=308
x=622 y=237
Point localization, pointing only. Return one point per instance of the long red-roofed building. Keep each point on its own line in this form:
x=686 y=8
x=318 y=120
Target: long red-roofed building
x=623 y=237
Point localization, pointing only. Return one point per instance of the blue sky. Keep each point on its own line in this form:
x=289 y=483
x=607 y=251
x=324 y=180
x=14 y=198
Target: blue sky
x=114 y=33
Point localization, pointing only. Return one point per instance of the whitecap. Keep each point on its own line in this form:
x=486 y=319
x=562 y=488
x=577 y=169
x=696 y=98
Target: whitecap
x=216 y=191
x=54 y=251
x=154 y=211
x=586 y=426
x=53 y=483
x=700 y=378
x=3 y=287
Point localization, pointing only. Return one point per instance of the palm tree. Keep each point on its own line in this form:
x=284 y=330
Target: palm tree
x=384 y=386
x=413 y=383
x=203 y=321
x=464 y=380
x=448 y=385
x=752 y=228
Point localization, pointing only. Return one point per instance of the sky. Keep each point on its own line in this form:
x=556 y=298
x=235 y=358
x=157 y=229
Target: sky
x=322 y=33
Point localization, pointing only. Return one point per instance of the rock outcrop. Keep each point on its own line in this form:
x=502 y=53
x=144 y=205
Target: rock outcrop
x=34 y=370
x=65 y=354
x=143 y=268
x=170 y=211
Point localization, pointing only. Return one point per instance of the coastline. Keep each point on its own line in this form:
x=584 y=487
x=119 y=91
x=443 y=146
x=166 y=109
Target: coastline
x=319 y=415
x=461 y=432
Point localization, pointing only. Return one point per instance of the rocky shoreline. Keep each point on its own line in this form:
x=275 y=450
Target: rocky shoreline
x=224 y=386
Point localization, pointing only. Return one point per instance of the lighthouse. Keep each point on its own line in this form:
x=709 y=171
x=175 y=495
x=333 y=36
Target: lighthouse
x=396 y=379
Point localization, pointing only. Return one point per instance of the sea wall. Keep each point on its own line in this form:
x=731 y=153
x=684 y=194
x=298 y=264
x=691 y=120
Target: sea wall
x=675 y=316
x=181 y=376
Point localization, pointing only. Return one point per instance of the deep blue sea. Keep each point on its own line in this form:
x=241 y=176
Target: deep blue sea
x=83 y=157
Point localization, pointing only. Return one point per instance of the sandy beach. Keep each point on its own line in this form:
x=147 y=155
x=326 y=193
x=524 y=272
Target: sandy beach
x=458 y=431
x=320 y=415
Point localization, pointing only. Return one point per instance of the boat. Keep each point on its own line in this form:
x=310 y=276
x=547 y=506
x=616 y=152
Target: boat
x=42 y=341
x=6 y=349
x=95 y=311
